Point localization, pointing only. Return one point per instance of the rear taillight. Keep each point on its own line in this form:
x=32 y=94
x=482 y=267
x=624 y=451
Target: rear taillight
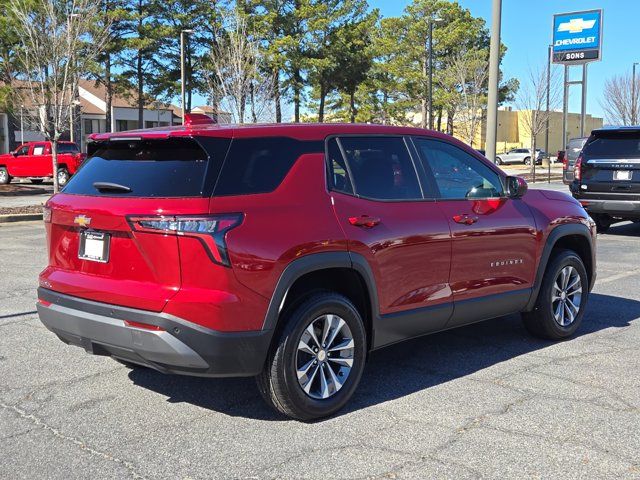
x=46 y=214
x=209 y=229
x=562 y=158
x=577 y=168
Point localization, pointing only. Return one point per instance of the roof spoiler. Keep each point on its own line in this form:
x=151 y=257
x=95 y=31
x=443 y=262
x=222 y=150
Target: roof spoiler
x=191 y=119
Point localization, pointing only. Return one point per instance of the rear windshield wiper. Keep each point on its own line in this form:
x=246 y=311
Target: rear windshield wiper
x=110 y=187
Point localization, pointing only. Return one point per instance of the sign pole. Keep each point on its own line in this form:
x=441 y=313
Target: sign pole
x=565 y=107
x=583 y=109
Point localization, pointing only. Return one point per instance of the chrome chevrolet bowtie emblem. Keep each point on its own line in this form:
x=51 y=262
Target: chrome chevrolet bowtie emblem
x=82 y=220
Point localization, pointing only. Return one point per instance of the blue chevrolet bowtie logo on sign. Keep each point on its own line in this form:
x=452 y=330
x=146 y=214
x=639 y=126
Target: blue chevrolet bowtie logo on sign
x=577 y=36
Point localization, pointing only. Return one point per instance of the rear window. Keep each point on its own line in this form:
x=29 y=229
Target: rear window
x=67 y=148
x=176 y=167
x=614 y=145
x=258 y=165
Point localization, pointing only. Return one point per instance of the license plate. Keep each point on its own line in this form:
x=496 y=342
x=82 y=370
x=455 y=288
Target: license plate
x=622 y=174
x=94 y=246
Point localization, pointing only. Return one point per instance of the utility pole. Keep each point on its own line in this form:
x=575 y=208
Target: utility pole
x=494 y=78
x=634 y=109
x=182 y=73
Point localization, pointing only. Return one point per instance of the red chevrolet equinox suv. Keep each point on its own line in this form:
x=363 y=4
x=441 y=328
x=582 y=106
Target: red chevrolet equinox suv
x=290 y=252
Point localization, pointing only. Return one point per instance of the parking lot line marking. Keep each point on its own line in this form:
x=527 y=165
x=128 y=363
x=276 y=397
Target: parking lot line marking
x=618 y=276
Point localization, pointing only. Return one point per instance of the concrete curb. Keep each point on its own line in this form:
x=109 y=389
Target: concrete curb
x=20 y=217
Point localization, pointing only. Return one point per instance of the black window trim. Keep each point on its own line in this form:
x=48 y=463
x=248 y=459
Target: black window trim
x=330 y=185
x=501 y=175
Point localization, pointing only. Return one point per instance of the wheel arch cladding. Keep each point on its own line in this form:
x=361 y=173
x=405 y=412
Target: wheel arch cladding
x=574 y=236
x=342 y=272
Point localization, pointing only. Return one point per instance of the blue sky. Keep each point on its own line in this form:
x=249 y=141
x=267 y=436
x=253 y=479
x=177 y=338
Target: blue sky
x=526 y=31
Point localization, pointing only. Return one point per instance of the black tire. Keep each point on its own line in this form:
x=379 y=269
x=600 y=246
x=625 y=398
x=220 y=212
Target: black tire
x=527 y=160
x=4 y=176
x=36 y=181
x=498 y=161
x=63 y=176
x=278 y=383
x=541 y=321
x=603 y=222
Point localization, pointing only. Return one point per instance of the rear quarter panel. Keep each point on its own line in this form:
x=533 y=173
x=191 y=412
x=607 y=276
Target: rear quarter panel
x=293 y=221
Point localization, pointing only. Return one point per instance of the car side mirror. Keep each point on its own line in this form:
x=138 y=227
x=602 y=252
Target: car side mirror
x=15 y=154
x=516 y=187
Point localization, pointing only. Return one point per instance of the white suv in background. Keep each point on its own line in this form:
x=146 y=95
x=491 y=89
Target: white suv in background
x=519 y=155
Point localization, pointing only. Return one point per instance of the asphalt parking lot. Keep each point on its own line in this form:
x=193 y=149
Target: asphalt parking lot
x=482 y=401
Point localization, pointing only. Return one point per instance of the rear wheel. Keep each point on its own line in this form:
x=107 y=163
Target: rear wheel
x=4 y=176
x=498 y=161
x=561 y=300
x=317 y=363
x=63 y=176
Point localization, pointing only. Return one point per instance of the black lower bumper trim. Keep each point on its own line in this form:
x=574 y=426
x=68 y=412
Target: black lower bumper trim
x=178 y=347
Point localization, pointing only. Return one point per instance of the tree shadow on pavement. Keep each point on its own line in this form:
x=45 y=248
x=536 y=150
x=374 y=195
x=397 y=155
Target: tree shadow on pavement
x=398 y=370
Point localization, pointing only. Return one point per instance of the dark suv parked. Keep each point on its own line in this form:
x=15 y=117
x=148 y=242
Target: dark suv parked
x=289 y=252
x=607 y=176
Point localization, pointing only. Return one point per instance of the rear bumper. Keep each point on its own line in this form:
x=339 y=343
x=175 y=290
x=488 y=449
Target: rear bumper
x=178 y=346
x=615 y=208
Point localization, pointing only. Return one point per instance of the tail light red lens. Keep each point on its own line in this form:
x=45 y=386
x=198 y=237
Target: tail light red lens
x=577 y=169
x=209 y=229
x=144 y=326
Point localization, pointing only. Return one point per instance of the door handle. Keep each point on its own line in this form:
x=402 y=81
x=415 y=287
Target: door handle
x=364 y=221
x=465 y=219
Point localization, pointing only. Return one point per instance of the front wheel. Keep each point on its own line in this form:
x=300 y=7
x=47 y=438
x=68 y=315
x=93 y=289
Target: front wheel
x=4 y=176
x=527 y=161
x=318 y=360
x=63 y=176
x=562 y=298
x=498 y=161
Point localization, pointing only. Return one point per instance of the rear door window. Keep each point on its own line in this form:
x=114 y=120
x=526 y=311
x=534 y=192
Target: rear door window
x=258 y=165
x=614 y=145
x=67 y=148
x=175 y=167
x=381 y=168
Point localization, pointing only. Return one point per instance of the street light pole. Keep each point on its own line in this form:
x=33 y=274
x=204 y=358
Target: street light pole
x=21 y=125
x=182 y=72
x=430 y=104
x=634 y=110
x=494 y=78
x=546 y=135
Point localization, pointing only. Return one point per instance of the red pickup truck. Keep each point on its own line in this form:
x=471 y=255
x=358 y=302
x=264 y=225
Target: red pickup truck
x=33 y=160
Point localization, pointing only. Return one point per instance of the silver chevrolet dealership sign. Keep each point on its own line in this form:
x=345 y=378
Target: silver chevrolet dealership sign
x=577 y=37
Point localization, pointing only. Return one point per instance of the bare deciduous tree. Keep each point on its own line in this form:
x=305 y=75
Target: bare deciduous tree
x=59 y=39
x=618 y=102
x=470 y=71
x=532 y=100
x=237 y=78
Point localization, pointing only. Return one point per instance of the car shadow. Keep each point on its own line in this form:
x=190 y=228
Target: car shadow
x=398 y=370
x=627 y=229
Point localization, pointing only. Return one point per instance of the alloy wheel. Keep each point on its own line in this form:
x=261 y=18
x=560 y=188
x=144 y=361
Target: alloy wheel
x=3 y=176
x=325 y=356
x=566 y=296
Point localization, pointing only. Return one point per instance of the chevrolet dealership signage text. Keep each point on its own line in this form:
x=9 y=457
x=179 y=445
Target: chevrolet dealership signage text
x=577 y=37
